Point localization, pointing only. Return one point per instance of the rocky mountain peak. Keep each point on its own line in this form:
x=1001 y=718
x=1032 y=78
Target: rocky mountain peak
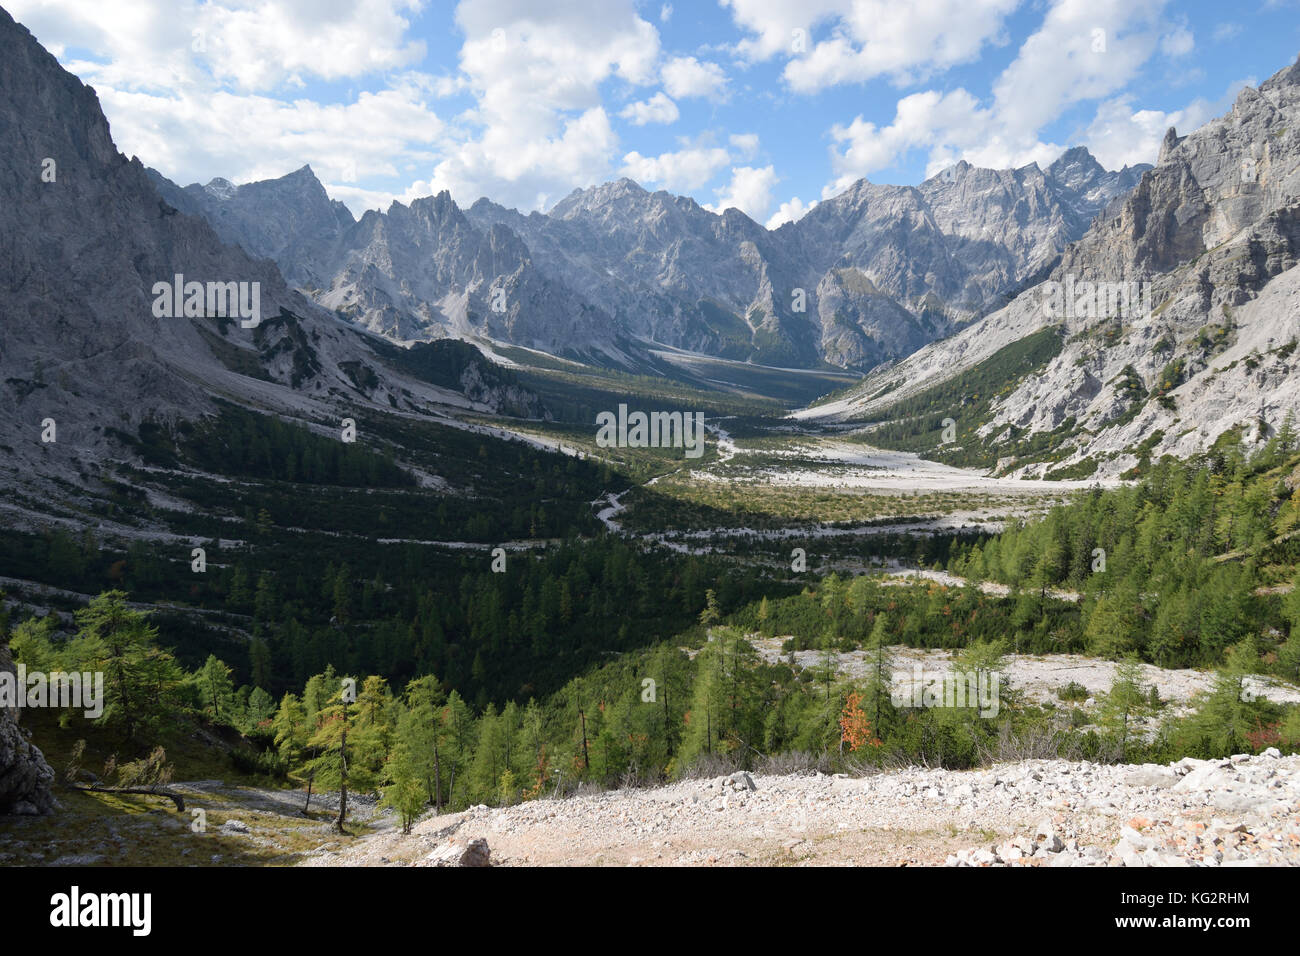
x=219 y=188
x=1076 y=167
x=1288 y=76
x=587 y=200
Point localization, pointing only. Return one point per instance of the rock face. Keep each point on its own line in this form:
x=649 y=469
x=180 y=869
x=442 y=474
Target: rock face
x=25 y=777
x=867 y=277
x=1213 y=231
x=84 y=238
x=416 y=272
x=290 y=220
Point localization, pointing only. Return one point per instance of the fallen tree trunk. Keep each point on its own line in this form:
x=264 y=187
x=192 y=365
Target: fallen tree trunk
x=143 y=791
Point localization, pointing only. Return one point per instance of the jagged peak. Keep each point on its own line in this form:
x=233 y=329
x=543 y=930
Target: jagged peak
x=483 y=204
x=1168 y=145
x=440 y=205
x=220 y=188
x=1287 y=76
x=1077 y=156
x=596 y=196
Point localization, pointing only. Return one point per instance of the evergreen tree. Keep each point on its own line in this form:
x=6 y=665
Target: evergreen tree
x=1125 y=703
x=216 y=690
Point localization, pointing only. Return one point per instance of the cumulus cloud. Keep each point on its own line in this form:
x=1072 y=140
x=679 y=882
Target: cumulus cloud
x=683 y=170
x=161 y=46
x=1081 y=52
x=750 y=191
x=926 y=119
x=685 y=76
x=1121 y=135
x=1178 y=42
x=745 y=144
x=792 y=210
x=195 y=138
x=658 y=109
x=771 y=25
x=867 y=38
x=539 y=127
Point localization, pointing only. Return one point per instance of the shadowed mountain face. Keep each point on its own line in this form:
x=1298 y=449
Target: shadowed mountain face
x=867 y=277
x=1208 y=240
x=87 y=352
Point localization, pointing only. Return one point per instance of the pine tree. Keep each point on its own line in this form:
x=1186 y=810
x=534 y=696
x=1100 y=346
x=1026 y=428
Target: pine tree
x=405 y=791
x=879 y=682
x=119 y=641
x=710 y=614
x=216 y=690
x=423 y=733
x=1125 y=703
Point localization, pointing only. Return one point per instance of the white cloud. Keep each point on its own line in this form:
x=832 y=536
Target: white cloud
x=771 y=24
x=750 y=191
x=928 y=119
x=194 y=138
x=1084 y=50
x=164 y=46
x=665 y=13
x=792 y=210
x=1120 y=136
x=868 y=38
x=1178 y=42
x=539 y=128
x=746 y=144
x=685 y=76
x=1226 y=31
x=681 y=171
x=658 y=109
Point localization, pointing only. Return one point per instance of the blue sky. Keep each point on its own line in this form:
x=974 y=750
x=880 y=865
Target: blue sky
x=766 y=105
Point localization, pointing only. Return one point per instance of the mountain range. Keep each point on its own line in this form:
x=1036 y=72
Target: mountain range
x=612 y=271
x=1212 y=235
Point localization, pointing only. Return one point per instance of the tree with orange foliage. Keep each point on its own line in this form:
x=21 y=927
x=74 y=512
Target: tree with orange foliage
x=855 y=728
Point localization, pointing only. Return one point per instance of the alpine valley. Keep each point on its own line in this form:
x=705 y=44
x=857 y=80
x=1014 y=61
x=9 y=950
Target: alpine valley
x=632 y=532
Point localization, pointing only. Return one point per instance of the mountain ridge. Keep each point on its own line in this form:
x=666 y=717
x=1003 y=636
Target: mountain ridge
x=636 y=265
x=1213 y=231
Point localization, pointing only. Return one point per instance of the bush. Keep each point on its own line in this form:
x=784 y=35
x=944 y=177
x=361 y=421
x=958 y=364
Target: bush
x=1073 y=691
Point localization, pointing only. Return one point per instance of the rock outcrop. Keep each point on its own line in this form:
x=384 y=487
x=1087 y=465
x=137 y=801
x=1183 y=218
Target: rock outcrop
x=25 y=778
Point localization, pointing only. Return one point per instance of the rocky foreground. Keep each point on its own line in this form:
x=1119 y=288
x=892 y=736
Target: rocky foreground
x=1238 y=811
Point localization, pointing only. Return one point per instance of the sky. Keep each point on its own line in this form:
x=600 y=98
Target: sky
x=765 y=105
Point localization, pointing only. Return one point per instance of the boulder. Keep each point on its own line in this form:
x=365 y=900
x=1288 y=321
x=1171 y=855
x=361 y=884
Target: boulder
x=25 y=778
